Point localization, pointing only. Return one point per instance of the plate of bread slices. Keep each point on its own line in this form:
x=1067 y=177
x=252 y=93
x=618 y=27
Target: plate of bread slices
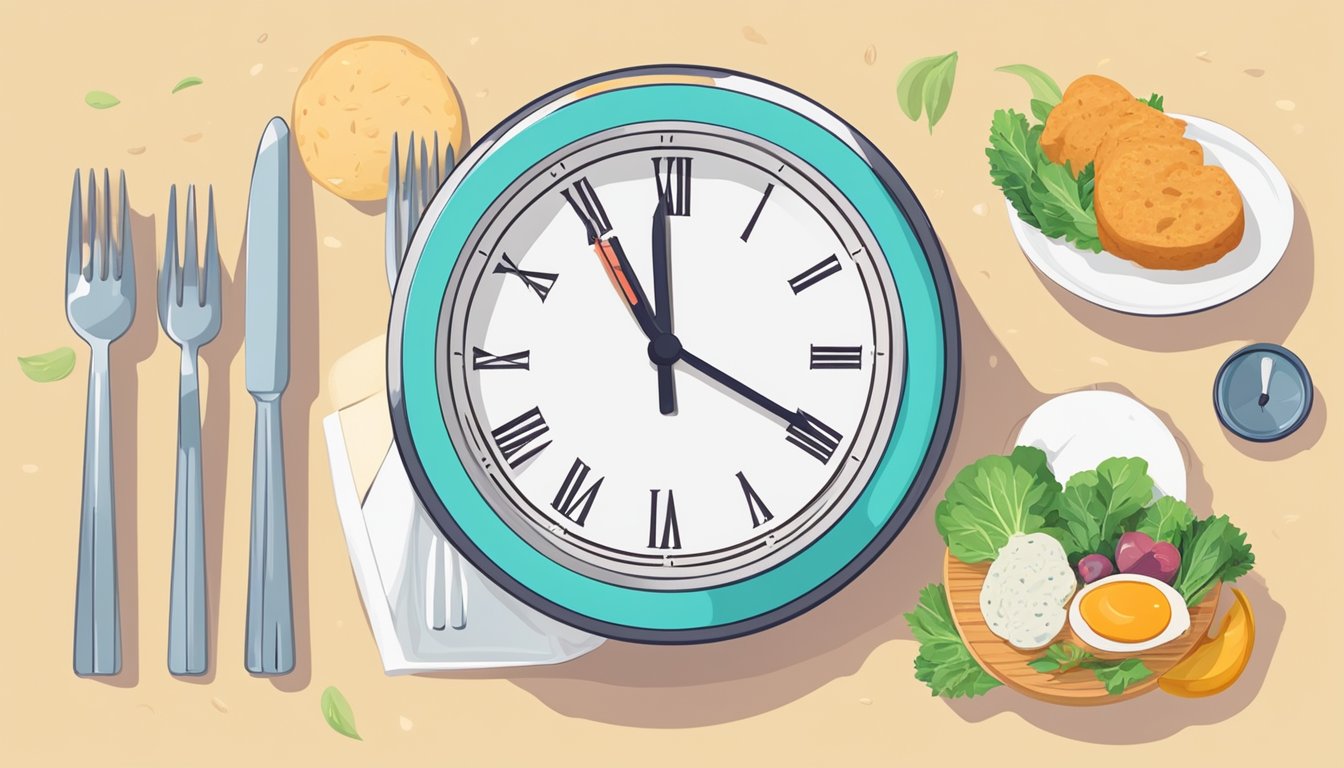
x=1136 y=209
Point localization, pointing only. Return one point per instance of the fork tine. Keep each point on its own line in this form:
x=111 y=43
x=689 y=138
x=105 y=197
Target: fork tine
x=168 y=275
x=391 y=226
x=191 y=282
x=105 y=230
x=74 y=240
x=408 y=210
x=425 y=189
x=91 y=225
x=448 y=163
x=125 y=242
x=210 y=291
x=437 y=179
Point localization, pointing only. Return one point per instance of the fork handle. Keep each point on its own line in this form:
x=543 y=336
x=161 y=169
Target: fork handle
x=187 y=647
x=97 y=614
x=270 y=617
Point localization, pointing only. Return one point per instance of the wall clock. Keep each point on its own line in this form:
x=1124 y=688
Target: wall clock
x=674 y=354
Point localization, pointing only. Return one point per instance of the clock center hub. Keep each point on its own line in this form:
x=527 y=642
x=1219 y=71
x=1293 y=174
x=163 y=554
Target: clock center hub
x=665 y=349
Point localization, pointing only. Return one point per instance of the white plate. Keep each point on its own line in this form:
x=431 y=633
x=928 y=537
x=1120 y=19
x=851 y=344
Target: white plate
x=1079 y=430
x=1122 y=285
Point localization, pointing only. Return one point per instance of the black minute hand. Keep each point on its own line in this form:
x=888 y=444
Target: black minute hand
x=804 y=430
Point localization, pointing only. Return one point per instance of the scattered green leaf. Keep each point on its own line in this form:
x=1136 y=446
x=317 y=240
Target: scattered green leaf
x=49 y=366
x=1166 y=520
x=1154 y=101
x=925 y=85
x=336 y=711
x=1215 y=551
x=187 y=82
x=992 y=500
x=944 y=663
x=1043 y=87
x=1117 y=676
x=101 y=99
x=938 y=88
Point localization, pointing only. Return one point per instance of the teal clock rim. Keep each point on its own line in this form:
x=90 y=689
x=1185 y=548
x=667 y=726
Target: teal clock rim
x=909 y=458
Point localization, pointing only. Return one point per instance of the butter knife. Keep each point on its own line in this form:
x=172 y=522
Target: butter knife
x=270 y=617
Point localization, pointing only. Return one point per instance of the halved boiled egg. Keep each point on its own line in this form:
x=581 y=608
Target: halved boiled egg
x=1128 y=613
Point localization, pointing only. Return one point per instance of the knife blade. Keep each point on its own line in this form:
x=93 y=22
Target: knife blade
x=270 y=616
x=267 y=316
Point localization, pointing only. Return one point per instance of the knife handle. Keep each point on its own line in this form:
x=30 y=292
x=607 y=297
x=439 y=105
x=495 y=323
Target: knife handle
x=270 y=617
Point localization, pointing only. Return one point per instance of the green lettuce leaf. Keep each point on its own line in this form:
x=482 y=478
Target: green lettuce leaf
x=1215 y=551
x=992 y=500
x=1166 y=520
x=1057 y=202
x=926 y=85
x=943 y=662
x=1117 y=676
x=1012 y=150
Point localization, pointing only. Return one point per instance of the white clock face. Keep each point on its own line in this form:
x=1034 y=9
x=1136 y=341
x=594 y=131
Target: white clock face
x=779 y=324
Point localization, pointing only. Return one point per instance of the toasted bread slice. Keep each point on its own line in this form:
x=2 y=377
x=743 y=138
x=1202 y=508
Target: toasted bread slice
x=1158 y=206
x=1082 y=113
x=1142 y=125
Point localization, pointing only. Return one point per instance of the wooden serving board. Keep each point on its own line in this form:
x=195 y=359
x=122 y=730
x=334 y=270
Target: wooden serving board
x=1077 y=686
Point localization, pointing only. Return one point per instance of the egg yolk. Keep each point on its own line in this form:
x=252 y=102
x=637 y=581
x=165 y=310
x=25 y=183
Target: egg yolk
x=1126 y=611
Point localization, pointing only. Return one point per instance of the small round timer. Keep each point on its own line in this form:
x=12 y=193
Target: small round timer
x=1262 y=393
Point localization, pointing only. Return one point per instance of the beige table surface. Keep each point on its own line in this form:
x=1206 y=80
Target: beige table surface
x=834 y=687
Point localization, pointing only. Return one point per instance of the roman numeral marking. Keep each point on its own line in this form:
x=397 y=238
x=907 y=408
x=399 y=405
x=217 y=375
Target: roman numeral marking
x=756 y=214
x=573 y=500
x=815 y=274
x=666 y=536
x=815 y=438
x=835 y=358
x=673 y=177
x=539 y=282
x=583 y=199
x=484 y=361
x=760 y=514
x=514 y=436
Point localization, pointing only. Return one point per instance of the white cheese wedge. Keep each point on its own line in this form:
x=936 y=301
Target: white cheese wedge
x=1026 y=593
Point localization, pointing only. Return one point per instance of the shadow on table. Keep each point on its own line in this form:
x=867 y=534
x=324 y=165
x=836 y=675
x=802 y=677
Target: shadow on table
x=1153 y=716
x=1267 y=313
x=694 y=685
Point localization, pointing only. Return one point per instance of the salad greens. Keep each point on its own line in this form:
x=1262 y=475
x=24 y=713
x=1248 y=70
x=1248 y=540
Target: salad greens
x=1166 y=520
x=1115 y=675
x=1045 y=195
x=994 y=499
x=998 y=497
x=1097 y=505
x=943 y=661
x=1217 y=551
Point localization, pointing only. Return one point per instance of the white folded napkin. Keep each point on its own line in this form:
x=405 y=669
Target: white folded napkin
x=429 y=609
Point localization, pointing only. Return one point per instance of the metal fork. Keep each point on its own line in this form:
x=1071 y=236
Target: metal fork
x=408 y=194
x=100 y=304
x=189 y=309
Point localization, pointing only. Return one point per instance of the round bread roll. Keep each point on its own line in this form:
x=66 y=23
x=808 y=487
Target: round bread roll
x=355 y=96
